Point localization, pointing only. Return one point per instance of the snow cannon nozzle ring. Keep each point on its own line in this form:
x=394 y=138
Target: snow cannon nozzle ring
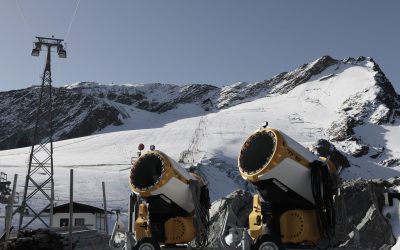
x=147 y=171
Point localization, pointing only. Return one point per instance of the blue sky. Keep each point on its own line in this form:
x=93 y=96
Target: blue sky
x=192 y=41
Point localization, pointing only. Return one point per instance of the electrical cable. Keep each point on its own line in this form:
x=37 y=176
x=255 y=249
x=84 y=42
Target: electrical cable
x=323 y=192
x=21 y=14
x=223 y=208
x=202 y=217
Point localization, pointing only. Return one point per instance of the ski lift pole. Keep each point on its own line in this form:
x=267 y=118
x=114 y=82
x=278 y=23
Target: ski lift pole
x=71 y=206
x=105 y=208
x=9 y=209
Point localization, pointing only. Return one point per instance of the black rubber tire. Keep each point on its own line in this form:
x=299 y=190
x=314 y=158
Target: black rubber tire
x=267 y=242
x=147 y=244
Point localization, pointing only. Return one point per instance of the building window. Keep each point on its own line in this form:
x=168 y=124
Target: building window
x=64 y=222
x=79 y=222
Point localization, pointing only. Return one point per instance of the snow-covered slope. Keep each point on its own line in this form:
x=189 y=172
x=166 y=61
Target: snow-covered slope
x=349 y=102
x=85 y=108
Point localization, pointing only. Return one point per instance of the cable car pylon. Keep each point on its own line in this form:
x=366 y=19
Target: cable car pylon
x=39 y=183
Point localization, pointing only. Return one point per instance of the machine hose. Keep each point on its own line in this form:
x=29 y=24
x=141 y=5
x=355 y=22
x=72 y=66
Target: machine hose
x=202 y=216
x=322 y=185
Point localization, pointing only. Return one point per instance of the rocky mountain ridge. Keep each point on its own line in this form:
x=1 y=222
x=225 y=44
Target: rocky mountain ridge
x=84 y=108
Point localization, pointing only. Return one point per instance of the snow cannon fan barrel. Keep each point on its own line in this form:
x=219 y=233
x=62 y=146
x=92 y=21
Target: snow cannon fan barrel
x=155 y=173
x=272 y=160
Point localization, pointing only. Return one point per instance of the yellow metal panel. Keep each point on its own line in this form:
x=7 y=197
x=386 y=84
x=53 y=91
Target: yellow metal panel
x=179 y=230
x=299 y=226
x=142 y=226
x=255 y=218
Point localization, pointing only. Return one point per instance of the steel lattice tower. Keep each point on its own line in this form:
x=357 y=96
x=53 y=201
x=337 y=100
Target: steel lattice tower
x=39 y=182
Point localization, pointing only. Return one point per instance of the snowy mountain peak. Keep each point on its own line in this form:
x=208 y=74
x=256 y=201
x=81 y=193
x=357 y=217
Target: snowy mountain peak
x=355 y=91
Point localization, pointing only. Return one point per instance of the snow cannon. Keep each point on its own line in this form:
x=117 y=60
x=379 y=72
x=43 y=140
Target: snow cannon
x=295 y=196
x=173 y=203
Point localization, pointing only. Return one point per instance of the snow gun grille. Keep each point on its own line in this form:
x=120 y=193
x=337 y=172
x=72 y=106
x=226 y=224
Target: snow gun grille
x=256 y=152
x=147 y=171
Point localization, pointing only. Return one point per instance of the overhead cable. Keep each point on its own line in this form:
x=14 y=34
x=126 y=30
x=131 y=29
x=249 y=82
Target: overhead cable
x=72 y=20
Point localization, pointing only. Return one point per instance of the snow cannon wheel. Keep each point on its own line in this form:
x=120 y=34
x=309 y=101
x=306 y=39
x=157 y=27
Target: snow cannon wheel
x=267 y=242
x=147 y=244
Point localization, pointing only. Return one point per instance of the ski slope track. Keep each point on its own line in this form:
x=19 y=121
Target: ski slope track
x=348 y=102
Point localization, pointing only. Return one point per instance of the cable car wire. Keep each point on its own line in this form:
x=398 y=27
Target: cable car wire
x=72 y=20
x=21 y=14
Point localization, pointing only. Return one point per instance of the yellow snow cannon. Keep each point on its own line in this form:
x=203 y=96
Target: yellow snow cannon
x=173 y=203
x=294 y=203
